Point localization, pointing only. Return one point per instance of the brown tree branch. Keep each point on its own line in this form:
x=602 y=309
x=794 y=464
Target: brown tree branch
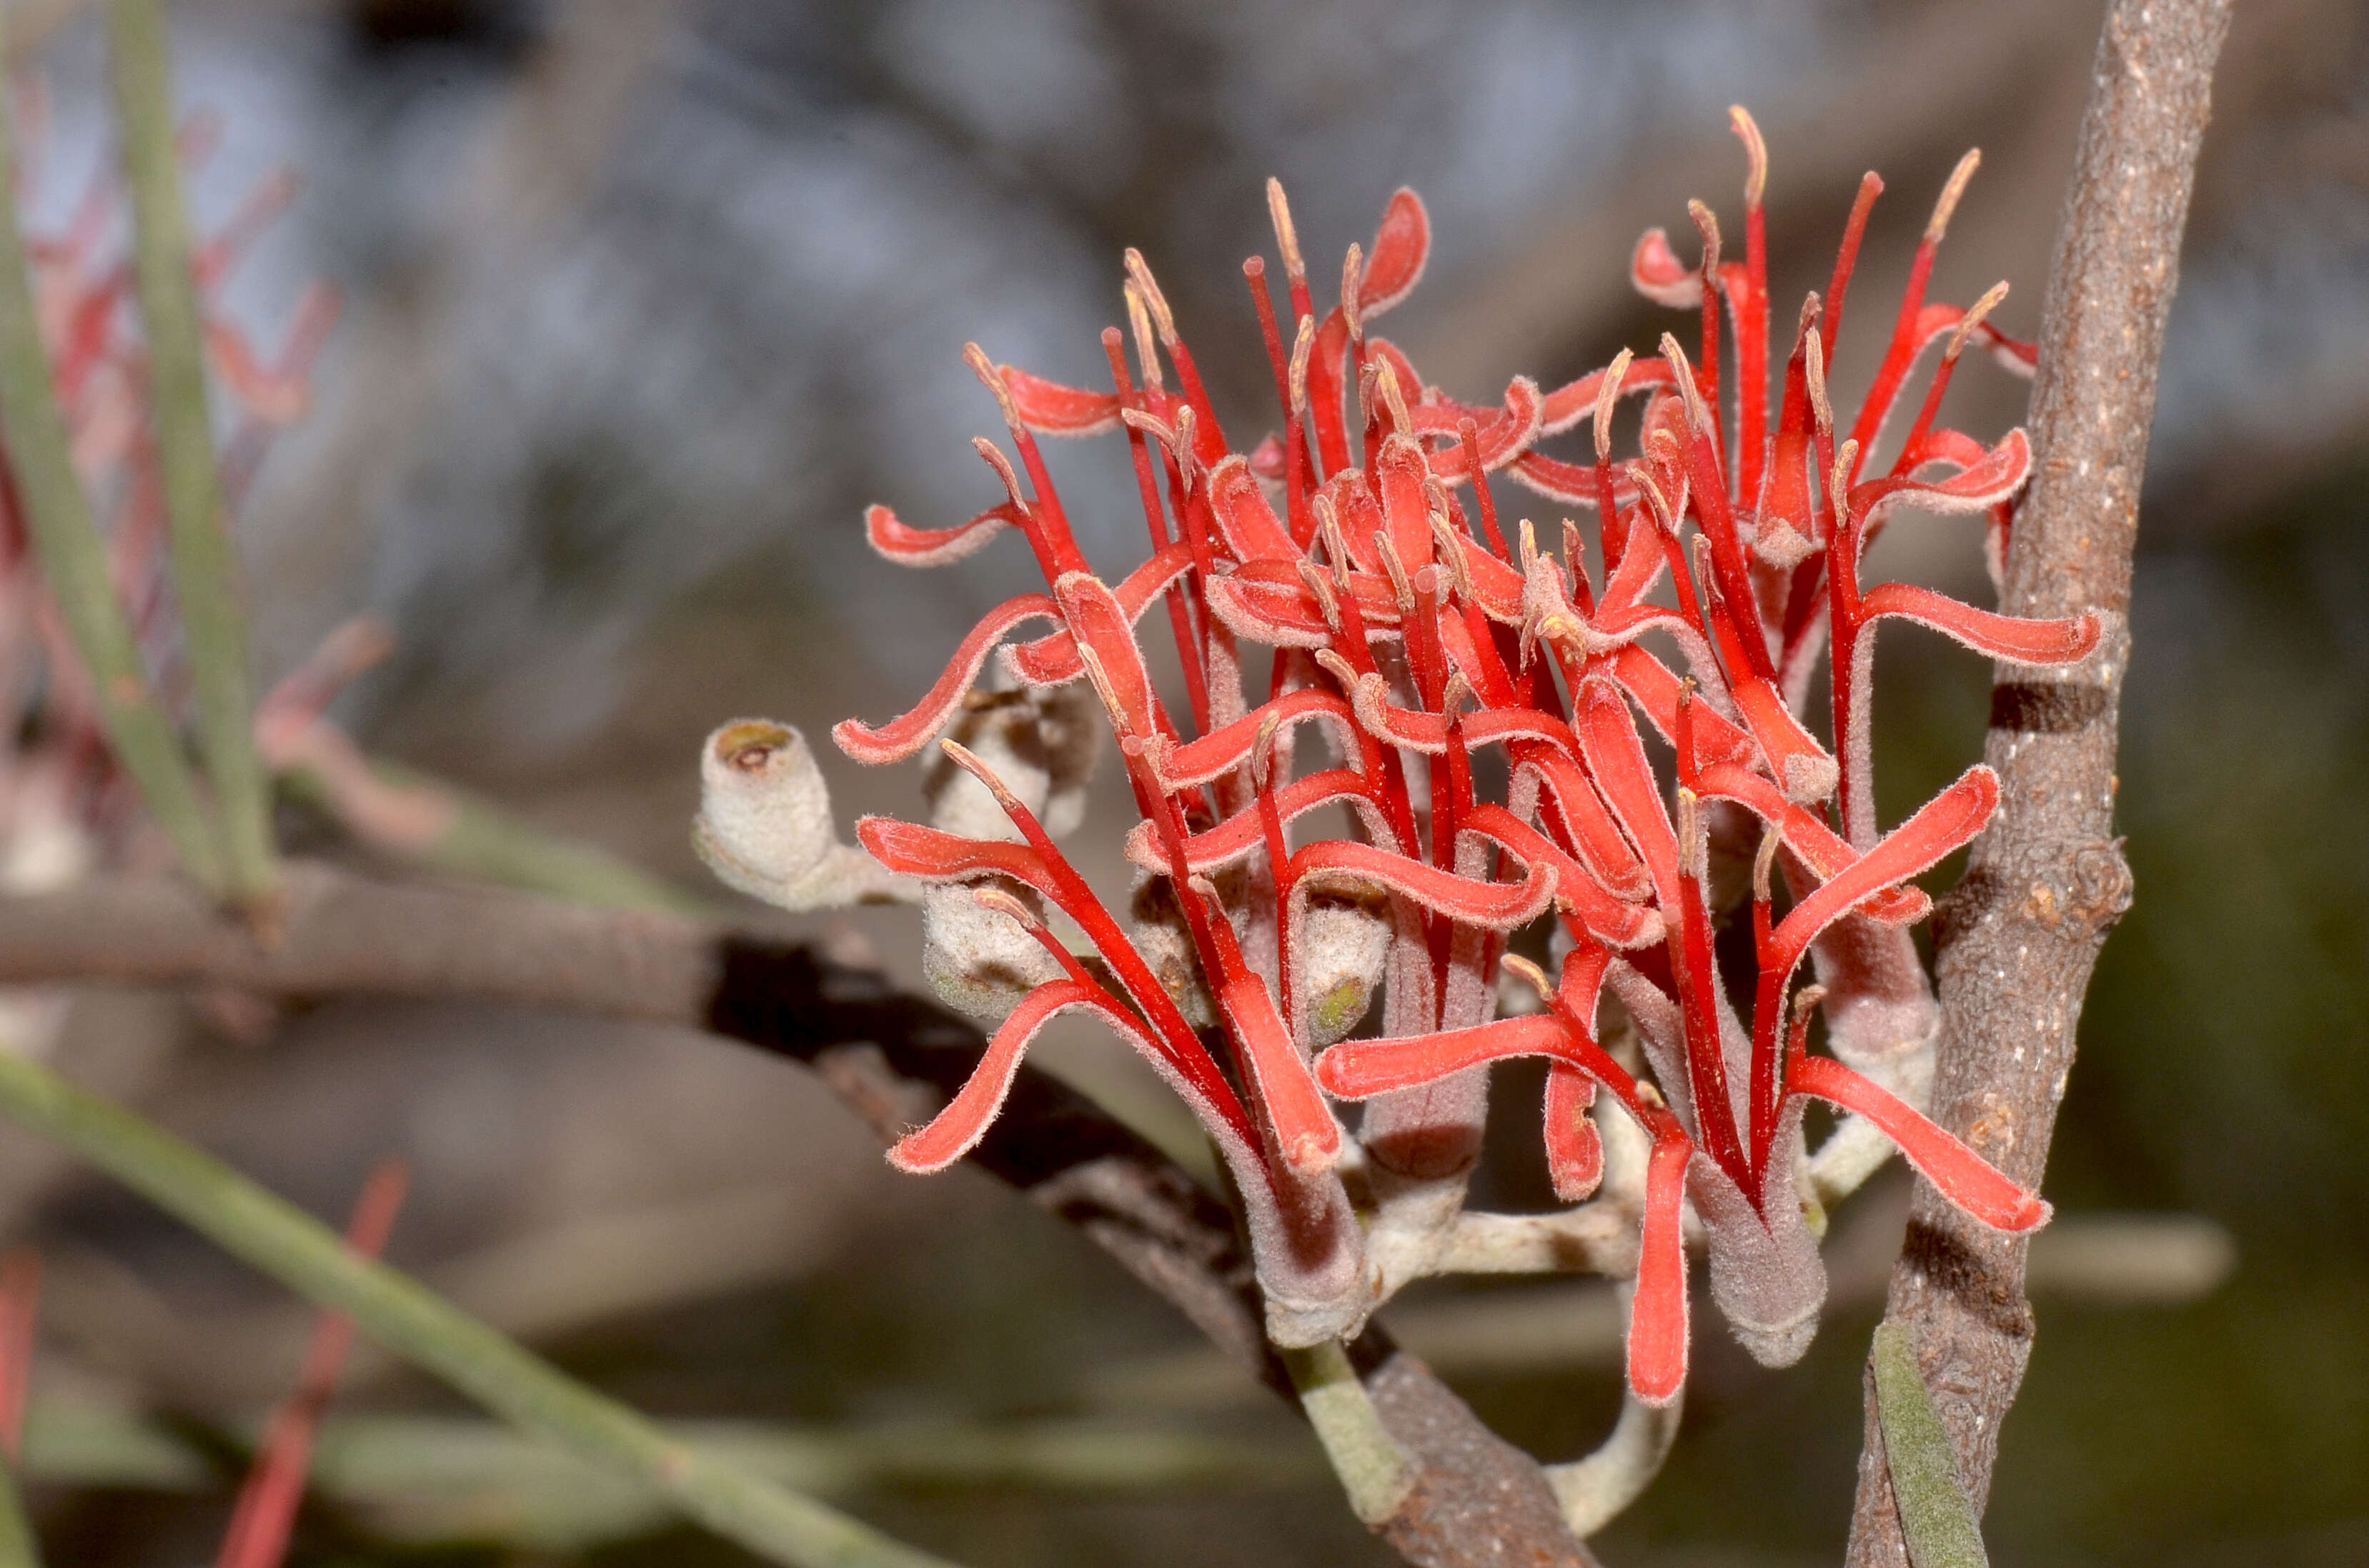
x=895 y=1057
x=2044 y=884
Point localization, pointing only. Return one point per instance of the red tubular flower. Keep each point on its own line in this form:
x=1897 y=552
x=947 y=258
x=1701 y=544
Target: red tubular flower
x=1406 y=631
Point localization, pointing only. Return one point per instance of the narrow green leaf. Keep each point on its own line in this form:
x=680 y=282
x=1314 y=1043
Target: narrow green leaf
x=414 y=1322
x=1937 y=1521
x=205 y=563
x=74 y=560
x=483 y=841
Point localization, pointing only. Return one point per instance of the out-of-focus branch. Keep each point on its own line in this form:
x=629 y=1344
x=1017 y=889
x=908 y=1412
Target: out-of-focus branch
x=2045 y=883
x=205 y=563
x=459 y=1480
x=1474 y=1500
x=39 y=481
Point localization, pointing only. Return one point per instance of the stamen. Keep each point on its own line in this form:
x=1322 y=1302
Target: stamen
x=1386 y=382
x=1333 y=664
x=1698 y=416
x=1755 y=154
x=1451 y=551
x=1655 y=502
x=1312 y=578
x=1103 y=689
x=984 y=368
x=1991 y=299
x=1765 y=862
x=1396 y=571
x=1301 y=348
x=1815 y=371
x=1287 y=237
x=1353 y=275
x=1707 y=225
x=1336 y=545
x=1186 y=458
x=1162 y=321
x=1607 y=392
x=963 y=757
x=1003 y=470
x=1951 y=193
x=999 y=902
x=1263 y=751
x=1140 y=321
x=1694 y=850
x=1529 y=974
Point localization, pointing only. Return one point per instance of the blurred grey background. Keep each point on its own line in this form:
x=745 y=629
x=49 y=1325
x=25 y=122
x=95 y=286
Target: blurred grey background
x=646 y=298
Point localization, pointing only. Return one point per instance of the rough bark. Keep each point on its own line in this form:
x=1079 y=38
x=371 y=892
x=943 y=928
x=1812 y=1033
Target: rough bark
x=2018 y=938
x=895 y=1057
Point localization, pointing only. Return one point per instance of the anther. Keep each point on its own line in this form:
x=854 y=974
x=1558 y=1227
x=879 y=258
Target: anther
x=1755 y=154
x=1951 y=193
x=1352 y=277
x=1974 y=318
x=1607 y=392
x=1698 y=416
x=1287 y=237
x=984 y=368
x=1140 y=320
x=1002 y=466
x=1154 y=300
x=1302 y=347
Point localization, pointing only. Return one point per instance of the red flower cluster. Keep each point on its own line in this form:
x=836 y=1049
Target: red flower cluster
x=1411 y=631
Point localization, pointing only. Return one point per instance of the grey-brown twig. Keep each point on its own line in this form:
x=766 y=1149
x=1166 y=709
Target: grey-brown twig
x=895 y=1057
x=2045 y=883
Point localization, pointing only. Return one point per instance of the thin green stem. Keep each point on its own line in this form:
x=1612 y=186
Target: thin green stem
x=74 y=560
x=481 y=840
x=414 y=1322
x=205 y=563
x=1374 y=1470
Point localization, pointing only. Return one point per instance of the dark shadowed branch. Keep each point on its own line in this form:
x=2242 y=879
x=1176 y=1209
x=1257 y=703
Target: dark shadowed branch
x=2045 y=883
x=894 y=1057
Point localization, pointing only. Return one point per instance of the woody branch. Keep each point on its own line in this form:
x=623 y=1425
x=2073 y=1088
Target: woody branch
x=2047 y=881
x=895 y=1057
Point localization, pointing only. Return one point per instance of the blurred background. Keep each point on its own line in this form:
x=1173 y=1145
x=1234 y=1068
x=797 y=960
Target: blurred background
x=645 y=298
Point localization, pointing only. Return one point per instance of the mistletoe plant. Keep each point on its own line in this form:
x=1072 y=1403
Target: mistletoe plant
x=1324 y=890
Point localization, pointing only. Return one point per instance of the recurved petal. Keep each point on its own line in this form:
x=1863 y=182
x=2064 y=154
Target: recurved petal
x=1946 y=822
x=1961 y=1175
x=2012 y=638
x=955 y=1130
x=1494 y=905
x=933 y=546
x=1656 y=271
x=1050 y=408
x=903 y=736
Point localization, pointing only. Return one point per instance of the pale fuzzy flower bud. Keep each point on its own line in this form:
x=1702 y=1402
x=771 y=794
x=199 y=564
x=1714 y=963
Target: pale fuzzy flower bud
x=1157 y=925
x=764 y=824
x=1043 y=743
x=981 y=961
x=1343 y=944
